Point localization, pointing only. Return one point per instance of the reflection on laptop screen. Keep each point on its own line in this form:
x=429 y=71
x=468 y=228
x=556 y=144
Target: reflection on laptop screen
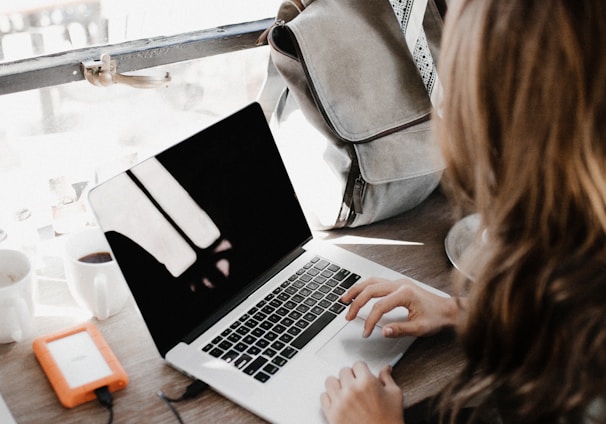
x=194 y=226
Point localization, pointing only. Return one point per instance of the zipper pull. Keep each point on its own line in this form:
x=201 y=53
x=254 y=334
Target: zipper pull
x=358 y=194
x=287 y=12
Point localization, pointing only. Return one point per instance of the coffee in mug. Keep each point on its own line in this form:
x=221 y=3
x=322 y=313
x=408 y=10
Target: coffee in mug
x=96 y=258
x=93 y=277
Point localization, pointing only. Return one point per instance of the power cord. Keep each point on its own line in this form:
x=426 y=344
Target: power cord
x=193 y=390
x=106 y=399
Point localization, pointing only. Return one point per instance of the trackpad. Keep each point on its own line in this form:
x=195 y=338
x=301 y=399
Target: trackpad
x=348 y=346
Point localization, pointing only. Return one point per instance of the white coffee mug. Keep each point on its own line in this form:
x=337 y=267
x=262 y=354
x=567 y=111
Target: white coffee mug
x=16 y=296
x=93 y=276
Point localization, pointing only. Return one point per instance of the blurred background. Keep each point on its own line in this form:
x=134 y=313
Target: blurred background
x=56 y=142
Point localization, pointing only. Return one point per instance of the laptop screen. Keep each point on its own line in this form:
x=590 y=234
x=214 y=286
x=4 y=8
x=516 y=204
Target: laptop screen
x=193 y=227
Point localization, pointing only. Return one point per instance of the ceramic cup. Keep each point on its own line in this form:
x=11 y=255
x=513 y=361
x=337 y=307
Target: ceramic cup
x=93 y=276
x=16 y=296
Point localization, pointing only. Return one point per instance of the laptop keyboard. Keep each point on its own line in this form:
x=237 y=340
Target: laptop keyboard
x=271 y=333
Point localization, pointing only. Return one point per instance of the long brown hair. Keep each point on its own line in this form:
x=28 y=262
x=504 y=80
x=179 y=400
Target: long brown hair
x=523 y=133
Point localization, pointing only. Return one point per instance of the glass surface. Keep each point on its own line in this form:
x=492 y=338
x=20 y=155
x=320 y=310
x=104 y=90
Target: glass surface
x=58 y=141
x=30 y=28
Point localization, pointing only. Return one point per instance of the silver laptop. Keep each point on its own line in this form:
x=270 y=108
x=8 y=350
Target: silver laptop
x=232 y=286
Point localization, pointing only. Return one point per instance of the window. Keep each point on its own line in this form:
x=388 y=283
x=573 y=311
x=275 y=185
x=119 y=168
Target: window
x=59 y=134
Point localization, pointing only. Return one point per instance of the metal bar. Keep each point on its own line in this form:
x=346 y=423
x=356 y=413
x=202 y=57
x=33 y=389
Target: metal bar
x=62 y=68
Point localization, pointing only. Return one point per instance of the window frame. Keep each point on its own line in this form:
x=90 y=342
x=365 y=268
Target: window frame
x=66 y=67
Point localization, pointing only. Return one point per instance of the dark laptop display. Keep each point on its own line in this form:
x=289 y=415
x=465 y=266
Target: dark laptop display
x=234 y=186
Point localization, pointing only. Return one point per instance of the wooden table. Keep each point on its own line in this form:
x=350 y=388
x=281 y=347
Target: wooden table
x=424 y=369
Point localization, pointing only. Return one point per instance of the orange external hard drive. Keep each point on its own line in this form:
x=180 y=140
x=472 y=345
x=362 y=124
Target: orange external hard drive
x=77 y=361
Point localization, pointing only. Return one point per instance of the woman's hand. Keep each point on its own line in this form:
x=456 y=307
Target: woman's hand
x=357 y=396
x=428 y=313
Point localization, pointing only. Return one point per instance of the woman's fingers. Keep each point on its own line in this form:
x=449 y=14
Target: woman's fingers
x=428 y=313
x=361 y=293
x=402 y=296
x=385 y=376
x=362 y=397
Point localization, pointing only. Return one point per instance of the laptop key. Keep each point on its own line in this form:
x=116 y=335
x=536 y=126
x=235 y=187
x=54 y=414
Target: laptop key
x=294 y=315
x=302 y=323
x=350 y=281
x=341 y=274
x=338 y=291
x=294 y=331
x=337 y=308
x=287 y=322
x=259 y=316
x=271 y=336
x=325 y=303
x=317 y=310
x=262 y=343
x=305 y=278
x=288 y=352
x=225 y=345
x=249 y=339
x=297 y=298
x=317 y=295
x=327 y=274
x=257 y=332
x=310 y=302
x=286 y=338
x=308 y=334
x=243 y=331
x=309 y=317
x=279 y=328
x=320 y=280
x=266 y=325
x=242 y=361
x=279 y=361
x=321 y=264
x=302 y=308
x=270 y=352
x=255 y=365
x=262 y=377
x=230 y=356
x=234 y=337
x=277 y=345
x=254 y=350
x=268 y=310
x=216 y=352
x=251 y=323
x=324 y=289
x=271 y=369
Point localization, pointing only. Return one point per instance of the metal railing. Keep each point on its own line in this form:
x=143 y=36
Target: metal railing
x=62 y=68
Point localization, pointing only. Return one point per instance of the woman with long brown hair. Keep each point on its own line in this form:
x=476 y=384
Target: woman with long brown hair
x=523 y=132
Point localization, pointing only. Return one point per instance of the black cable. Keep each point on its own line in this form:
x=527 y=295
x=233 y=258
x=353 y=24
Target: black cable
x=193 y=390
x=106 y=399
